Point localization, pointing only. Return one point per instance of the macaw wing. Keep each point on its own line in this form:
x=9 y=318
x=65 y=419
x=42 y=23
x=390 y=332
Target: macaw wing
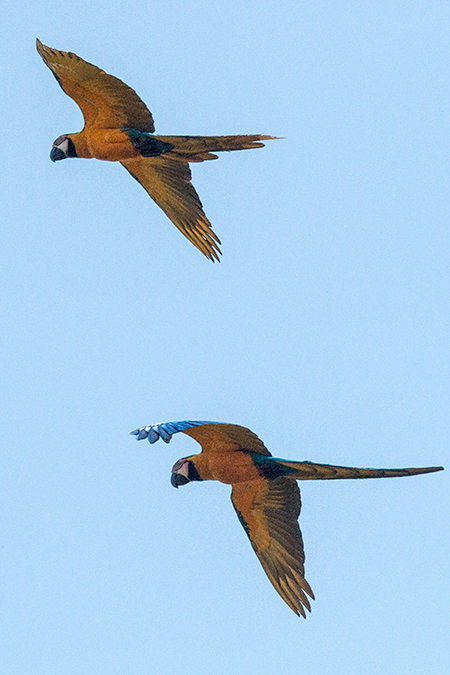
x=105 y=101
x=212 y=436
x=168 y=182
x=268 y=511
x=227 y=438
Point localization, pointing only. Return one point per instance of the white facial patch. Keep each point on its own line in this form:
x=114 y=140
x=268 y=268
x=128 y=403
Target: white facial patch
x=63 y=145
x=184 y=470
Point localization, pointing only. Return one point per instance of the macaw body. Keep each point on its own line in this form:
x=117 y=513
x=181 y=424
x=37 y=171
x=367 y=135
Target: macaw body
x=118 y=145
x=265 y=493
x=120 y=128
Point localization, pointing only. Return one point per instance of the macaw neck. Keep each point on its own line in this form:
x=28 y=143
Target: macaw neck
x=227 y=467
x=201 y=463
x=81 y=145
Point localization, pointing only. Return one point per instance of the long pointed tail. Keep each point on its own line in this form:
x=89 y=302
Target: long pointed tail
x=201 y=148
x=311 y=471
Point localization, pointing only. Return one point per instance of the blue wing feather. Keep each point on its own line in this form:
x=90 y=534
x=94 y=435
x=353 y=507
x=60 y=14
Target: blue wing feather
x=164 y=430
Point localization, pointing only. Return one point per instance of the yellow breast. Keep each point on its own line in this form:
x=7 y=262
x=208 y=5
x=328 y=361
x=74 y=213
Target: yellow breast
x=227 y=467
x=111 y=145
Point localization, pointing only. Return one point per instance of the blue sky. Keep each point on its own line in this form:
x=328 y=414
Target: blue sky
x=325 y=329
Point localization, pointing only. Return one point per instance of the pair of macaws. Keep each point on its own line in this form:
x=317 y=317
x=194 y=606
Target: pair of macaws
x=119 y=127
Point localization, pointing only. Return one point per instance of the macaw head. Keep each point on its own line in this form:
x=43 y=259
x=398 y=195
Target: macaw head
x=184 y=471
x=63 y=147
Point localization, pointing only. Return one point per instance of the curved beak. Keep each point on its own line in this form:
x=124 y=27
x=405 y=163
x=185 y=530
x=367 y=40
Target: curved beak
x=56 y=153
x=178 y=479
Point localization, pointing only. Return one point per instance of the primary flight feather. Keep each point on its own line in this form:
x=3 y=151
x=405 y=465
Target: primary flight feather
x=119 y=128
x=265 y=493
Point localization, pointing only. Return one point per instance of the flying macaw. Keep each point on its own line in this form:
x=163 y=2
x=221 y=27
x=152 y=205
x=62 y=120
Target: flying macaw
x=119 y=128
x=265 y=493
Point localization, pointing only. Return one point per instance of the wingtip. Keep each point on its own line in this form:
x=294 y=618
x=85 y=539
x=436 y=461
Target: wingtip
x=140 y=433
x=212 y=252
x=165 y=430
x=41 y=48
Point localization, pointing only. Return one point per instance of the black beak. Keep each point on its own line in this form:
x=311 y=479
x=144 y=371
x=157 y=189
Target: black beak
x=56 y=154
x=178 y=479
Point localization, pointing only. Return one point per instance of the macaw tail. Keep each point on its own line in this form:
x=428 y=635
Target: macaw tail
x=311 y=471
x=201 y=148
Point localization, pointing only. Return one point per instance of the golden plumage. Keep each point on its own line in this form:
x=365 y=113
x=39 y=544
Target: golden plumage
x=264 y=493
x=119 y=127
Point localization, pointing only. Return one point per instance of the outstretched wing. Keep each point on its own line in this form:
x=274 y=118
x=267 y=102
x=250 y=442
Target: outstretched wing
x=212 y=436
x=268 y=511
x=105 y=101
x=168 y=182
